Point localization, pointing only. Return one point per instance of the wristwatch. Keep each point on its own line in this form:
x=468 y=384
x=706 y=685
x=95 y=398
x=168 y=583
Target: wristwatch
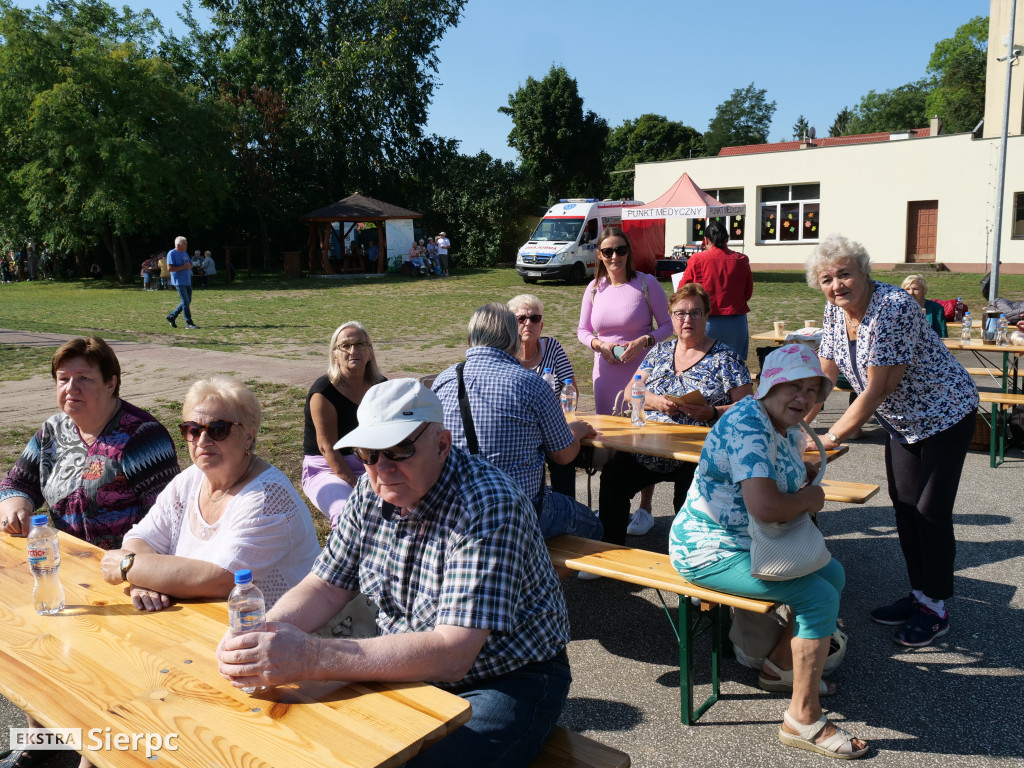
x=126 y=565
x=833 y=438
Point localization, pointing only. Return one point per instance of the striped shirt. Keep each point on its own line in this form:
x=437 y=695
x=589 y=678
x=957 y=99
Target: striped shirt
x=469 y=554
x=553 y=356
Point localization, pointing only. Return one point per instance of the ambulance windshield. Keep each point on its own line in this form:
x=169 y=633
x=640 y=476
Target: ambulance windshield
x=558 y=230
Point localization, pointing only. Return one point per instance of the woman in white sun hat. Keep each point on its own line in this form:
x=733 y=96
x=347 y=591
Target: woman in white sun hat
x=752 y=464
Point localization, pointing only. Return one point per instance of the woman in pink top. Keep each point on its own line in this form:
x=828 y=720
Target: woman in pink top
x=617 y=310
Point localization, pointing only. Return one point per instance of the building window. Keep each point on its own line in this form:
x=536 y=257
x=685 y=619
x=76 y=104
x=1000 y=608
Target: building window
x=735 y=224
x=1018 y=214
x=790 y=213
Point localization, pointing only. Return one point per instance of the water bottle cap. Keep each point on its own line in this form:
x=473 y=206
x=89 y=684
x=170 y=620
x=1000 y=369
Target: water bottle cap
x=637 y=377
x=243 y=576
x=568 y=381
x=39 y=519
x=547 y=370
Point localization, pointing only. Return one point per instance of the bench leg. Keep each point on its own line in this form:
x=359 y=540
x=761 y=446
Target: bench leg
x=689 y=630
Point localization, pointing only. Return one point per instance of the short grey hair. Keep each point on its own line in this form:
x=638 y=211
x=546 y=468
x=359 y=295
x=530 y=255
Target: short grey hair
x=232 y=393
x=526 y=301
x=494 y=325
x=909 y=280
x=371 y=374
x=179 y=240
x=833 y=249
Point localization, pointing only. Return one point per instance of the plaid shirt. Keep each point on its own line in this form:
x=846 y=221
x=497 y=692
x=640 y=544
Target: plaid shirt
x=517 y=417
x=469 y=554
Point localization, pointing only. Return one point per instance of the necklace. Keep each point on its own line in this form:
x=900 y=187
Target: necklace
x=226 y=491
x=532 y=362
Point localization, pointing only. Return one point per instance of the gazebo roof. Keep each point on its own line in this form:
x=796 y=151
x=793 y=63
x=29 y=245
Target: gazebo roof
x=360 y=208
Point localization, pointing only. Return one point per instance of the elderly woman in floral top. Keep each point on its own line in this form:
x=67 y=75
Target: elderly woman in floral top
x=904 y=376
x=690 y=361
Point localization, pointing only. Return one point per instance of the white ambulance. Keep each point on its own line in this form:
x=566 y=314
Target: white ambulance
x=565 y=242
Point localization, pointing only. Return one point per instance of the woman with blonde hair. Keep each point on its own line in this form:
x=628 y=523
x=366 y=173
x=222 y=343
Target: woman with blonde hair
x=330 y=413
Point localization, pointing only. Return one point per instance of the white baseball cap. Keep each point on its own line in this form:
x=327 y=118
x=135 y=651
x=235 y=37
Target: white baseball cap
x=791 y=363
x=390 y=412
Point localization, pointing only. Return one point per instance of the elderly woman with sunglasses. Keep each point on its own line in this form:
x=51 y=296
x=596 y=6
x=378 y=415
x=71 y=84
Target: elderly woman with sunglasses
x=328 y=477
x=616 y=317
x=690 y=363
x=229 y=510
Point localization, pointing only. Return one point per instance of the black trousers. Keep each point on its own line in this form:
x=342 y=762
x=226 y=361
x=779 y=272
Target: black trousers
x=622 y=477
x=923 y=480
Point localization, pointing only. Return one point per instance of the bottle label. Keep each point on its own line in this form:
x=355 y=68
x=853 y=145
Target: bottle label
x=247 y=621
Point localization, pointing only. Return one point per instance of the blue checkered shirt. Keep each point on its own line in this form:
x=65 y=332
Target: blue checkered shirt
x=517 y=416
x=470 y=554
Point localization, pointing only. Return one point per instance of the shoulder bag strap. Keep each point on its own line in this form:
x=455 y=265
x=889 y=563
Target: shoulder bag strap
x=647 y=298
x=467 y=415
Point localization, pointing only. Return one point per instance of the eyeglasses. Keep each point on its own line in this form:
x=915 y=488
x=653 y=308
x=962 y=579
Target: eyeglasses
x=404 y=450
x=218 y=429
x=532 y=318
x=358 y=346
x=619 y=250
x=696 y=314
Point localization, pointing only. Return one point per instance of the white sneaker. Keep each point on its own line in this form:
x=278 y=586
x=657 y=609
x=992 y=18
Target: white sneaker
x=641 y=523
x=585 y=576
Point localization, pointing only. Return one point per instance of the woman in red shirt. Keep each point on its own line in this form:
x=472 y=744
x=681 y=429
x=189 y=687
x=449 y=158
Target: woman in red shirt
x=726 y=276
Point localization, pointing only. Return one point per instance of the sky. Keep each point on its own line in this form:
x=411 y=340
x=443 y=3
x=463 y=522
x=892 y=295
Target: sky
x=675 y=58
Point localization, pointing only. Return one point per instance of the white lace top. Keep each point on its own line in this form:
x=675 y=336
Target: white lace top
x=266 y=528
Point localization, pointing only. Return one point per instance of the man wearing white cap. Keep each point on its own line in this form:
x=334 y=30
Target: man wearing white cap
x=443 y=244
x=449 y=548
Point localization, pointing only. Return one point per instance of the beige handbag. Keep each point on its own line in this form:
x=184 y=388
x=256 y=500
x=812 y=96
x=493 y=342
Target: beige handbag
x=783 y=551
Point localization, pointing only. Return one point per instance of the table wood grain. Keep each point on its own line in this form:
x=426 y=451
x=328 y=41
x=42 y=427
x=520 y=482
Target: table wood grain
x=100 y=663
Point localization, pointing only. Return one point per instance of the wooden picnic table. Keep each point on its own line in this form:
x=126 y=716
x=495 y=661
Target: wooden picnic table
x=684 y=443
x=101 y=664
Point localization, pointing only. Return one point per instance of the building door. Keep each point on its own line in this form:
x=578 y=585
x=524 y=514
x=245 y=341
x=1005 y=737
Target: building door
x=922 y=224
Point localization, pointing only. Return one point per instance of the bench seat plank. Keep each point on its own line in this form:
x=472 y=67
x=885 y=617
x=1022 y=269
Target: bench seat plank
x=848 y=492
x=638 y=566
x=565 y=749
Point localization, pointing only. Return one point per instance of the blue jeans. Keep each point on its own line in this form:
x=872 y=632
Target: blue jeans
x=563 y=514
x=185 y=294
x=513 y=715
x=732 y=331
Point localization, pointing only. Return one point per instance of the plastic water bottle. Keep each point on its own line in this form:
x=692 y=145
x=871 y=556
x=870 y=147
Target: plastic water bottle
x=549 y=379
x=247 y=610
x=44 y=560
x=569 y=398
x=638 y=396
x=1001 y=339
x=958 y=309
x=965 y=328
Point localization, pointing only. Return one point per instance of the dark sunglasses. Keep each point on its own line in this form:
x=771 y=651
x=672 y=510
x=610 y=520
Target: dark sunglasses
x=404 y=450
x=532 y=318
x=218 y=430
x=619 y=250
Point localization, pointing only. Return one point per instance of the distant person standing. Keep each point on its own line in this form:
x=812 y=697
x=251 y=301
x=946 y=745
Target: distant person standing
x=726 y=276
x=443 y=244
x=209 y=268
x=180 y=267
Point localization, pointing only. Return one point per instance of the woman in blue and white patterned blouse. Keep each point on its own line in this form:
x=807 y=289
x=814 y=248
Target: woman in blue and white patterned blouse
x=876 y=335
x=752 y=464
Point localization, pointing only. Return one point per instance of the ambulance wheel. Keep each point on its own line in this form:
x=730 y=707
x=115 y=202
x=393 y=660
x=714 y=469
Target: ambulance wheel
x=578 y=273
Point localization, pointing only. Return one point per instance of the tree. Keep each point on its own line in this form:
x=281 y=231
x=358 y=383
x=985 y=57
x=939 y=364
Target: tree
x=898 y=109
x=800 y=128
x=743 y=118
x=103 y=140
x=841 y=123
x=958 y=65
x=647 y=139
x=560 y=146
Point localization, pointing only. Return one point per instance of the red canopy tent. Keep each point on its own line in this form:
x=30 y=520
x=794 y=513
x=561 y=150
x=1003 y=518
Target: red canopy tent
x=645 y=224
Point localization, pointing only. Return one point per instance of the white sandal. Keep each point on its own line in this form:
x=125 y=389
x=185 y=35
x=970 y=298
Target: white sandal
x=839 y=744
x=784 y=682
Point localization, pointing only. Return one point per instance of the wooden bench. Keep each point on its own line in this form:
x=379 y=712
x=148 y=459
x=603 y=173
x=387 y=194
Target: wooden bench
x=652 y=569
x=998 y=401
x=565 y=749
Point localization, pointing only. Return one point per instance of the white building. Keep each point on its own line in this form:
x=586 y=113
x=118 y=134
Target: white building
x=917 y=196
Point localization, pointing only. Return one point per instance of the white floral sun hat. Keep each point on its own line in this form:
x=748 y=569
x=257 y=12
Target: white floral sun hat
x=791 y=363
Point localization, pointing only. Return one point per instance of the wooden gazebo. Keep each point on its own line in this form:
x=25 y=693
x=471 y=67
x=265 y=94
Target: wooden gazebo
x=352 y=210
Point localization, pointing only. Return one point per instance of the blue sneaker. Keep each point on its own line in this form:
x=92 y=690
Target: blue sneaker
x=922 y=628
x=896 y=614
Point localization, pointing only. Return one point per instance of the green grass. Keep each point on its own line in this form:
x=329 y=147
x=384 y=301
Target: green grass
x=419 y=325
